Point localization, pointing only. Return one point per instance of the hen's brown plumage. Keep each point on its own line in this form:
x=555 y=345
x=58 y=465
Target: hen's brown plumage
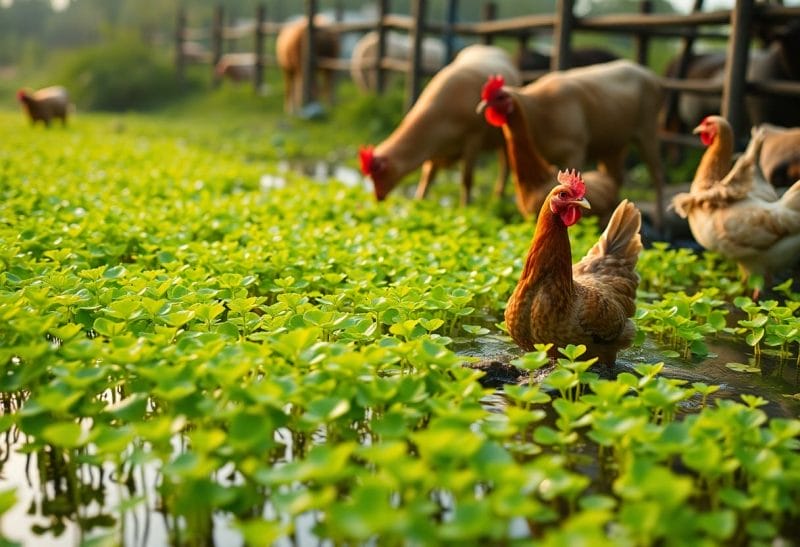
x=534 y=176
x=588 y=303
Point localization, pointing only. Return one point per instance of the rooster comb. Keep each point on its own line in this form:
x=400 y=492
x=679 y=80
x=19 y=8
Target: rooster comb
x=366 y=155
x=573 y=180
x=21 y=94
x=492 y=86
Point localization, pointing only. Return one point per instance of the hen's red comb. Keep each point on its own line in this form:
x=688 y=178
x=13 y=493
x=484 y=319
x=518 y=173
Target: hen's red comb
x=366 y=154
x=573 y=180
x=492 y=86
x=20 y=94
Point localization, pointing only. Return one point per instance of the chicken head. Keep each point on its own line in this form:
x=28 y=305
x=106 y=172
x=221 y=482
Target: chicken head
x=567 y=199
x=708 y=129
x=377 y=168
x=496 y=103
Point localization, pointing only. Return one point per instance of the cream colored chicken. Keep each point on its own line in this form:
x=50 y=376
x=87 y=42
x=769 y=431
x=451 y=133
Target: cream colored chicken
x=716 y=133
x=735 y=214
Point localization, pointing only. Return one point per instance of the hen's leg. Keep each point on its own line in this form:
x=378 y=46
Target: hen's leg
x=502 y=174
x=467 y=169
x=288 y=94
x=428 y=173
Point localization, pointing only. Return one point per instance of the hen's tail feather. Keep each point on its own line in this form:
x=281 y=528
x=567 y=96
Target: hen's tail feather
x=791 y=198
x=741 y=177
x=621 y=238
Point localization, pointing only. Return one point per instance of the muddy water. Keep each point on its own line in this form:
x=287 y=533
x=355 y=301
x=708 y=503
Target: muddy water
x=775 y=381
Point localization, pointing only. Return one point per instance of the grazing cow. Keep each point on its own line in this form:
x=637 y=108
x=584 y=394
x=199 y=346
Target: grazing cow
x=397 y=46
x=291 y=54
x=237 y=67
x=780 y=60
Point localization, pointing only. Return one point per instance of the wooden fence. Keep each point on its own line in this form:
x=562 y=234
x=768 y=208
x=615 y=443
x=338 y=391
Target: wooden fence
x=732 y=25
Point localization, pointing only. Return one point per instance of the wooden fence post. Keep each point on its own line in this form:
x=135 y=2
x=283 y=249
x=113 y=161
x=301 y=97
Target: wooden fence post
x=642 y=40
x=734 y=88
x=414 y=79
x=522 y=46
x=380 y=73
x=310 y=59
x=488 y=13
x=451 y=16
x=216 y=39
x=562 y=35
x=180 y=33
x=258 y=44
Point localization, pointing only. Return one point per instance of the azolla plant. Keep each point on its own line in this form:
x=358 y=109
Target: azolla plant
x=187 y=352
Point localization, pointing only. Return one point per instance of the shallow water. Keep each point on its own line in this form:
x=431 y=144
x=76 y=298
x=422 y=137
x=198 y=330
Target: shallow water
x=774 y=381
x=319 y=171
x=38 y=503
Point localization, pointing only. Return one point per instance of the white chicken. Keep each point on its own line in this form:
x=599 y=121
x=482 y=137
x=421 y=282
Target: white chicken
x=737 y=213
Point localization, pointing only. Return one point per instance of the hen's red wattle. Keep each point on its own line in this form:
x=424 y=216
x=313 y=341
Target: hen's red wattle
x=366 y=154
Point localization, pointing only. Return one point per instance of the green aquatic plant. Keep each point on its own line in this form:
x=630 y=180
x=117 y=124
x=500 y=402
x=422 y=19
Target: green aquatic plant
x=285 y=362
x=684 y=322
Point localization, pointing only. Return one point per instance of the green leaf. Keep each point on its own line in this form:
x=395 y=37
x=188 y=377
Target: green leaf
x=741 y=367
x=64 y=434
x=754 y=337
x=67 y=332
x=108 y=328
x=8 y=499
x=177 y=318
x=130 y=409
x=475 y=330
x=326 y=409
x=115 y=272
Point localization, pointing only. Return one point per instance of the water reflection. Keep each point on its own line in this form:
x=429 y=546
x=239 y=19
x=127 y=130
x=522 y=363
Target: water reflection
x=774 y=379
x=62 y=502
x=320 y=171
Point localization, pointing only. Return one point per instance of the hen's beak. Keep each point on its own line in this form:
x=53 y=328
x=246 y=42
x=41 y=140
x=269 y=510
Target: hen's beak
x=583 y=202
x=481 y=107
x=698 y=129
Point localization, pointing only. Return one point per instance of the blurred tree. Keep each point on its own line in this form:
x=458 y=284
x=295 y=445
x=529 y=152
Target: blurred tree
x=21 y=24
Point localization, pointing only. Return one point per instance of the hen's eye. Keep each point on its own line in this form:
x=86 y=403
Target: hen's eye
x=562 y=195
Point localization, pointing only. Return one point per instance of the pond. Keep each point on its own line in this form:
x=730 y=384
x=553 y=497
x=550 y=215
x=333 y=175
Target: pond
x=45 y=515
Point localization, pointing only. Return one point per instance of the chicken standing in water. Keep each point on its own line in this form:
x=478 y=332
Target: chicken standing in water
x=736 y=213
x=588 y=303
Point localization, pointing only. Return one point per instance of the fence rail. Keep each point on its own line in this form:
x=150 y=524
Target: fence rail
x=737 y=26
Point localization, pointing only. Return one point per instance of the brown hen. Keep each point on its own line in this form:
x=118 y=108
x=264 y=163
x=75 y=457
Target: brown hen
x=588 y=303
x=534 y=176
